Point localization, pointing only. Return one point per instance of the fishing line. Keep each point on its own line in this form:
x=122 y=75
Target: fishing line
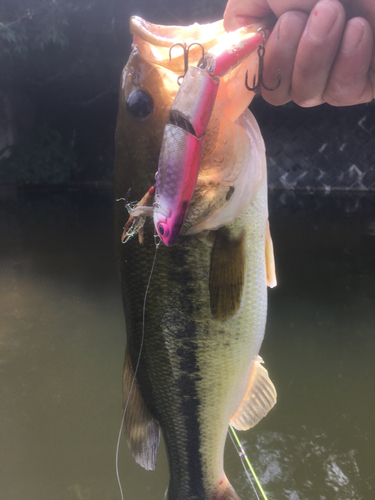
x=244 y=458
x=157 y=244
x=241 y=455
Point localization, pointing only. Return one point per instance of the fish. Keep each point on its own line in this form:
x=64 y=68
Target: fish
x=195 y=325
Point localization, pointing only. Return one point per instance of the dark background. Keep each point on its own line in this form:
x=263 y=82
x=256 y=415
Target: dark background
x=60 y=67
x=61 y=63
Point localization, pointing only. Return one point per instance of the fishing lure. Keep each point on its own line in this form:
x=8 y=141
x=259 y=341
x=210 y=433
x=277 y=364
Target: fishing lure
x=260 y=82
x=183 y=139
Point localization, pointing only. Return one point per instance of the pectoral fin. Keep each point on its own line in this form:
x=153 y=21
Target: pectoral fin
x=259 y=398
x=140 y=427
x=227 y=273
x=270 y=259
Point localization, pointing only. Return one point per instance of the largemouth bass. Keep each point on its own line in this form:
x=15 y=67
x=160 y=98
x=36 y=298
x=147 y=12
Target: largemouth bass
x=191 y=362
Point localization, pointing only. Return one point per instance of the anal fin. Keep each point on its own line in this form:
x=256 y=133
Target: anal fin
x=141 y=429
x=258 y=400
x=270 y=259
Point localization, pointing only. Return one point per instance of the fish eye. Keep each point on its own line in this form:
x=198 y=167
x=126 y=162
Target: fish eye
x=163 y=230
x=139 y=104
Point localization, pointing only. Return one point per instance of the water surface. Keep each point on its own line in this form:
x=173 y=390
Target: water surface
x=62 y=342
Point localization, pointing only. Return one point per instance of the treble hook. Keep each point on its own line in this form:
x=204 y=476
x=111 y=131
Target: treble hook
x=186 y=50
x=256 y=85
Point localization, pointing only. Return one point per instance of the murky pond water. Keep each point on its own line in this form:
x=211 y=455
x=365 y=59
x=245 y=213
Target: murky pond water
x=62 y=343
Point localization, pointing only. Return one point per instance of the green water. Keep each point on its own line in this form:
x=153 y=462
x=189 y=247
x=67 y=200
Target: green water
x=62 y=342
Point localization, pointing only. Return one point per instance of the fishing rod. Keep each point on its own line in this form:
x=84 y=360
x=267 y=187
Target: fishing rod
x=245 y=461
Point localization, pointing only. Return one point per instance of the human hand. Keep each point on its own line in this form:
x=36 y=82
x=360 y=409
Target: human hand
x=322 y=56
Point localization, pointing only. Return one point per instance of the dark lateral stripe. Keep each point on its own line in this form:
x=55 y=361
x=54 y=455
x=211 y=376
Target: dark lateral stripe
x=227 y=274
x=189 y=409
x=188 y=378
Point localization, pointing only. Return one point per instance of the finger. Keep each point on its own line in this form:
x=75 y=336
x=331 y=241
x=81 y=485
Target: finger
x=240 y=13
x=316 y=52
x=365 y=9
x=281 y=49
x=349 y=81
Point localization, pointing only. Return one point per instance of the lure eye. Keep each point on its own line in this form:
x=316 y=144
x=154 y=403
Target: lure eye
x=163 y=230
x=139 y=104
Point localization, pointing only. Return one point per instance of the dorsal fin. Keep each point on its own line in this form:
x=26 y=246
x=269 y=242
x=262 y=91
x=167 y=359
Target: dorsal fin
x=140 y=427
x=270 y=259
x=227 y=274
x=258 y=400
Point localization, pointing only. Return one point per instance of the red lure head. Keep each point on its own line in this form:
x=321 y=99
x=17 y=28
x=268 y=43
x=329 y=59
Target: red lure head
x=179 y=162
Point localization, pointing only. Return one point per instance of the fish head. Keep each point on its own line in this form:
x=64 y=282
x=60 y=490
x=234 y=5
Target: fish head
x=149 y=85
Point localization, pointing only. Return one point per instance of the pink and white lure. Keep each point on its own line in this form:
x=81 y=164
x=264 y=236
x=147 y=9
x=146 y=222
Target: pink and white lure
x=183 y=139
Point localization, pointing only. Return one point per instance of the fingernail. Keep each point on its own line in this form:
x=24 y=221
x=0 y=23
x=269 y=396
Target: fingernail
x=320 y=22
x=352 y=37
